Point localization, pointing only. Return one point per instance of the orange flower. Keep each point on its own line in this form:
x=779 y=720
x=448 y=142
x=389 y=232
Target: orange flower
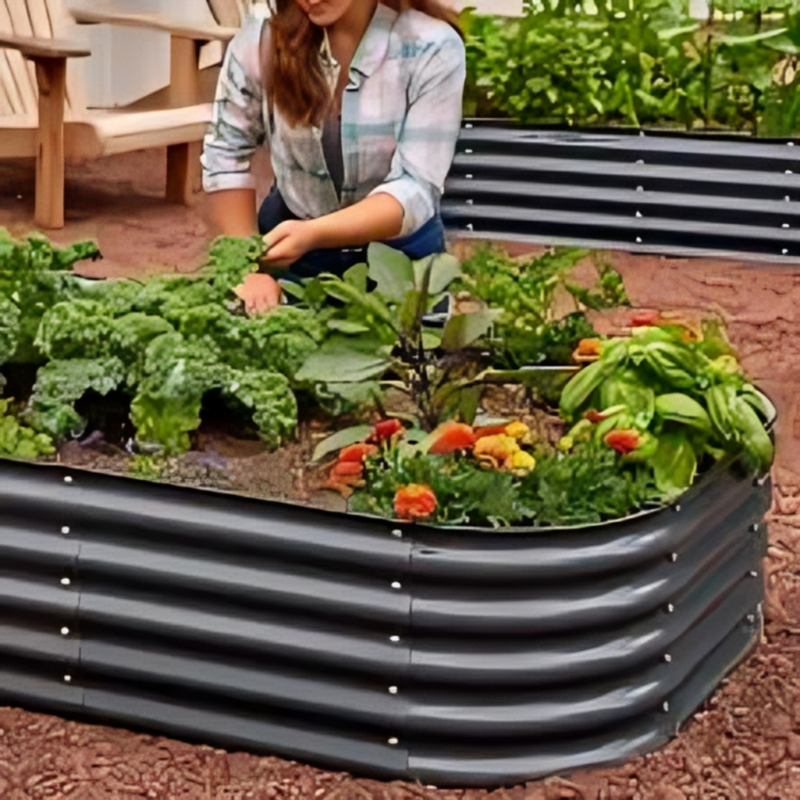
x=356 y=452
x=496 y=451
x=385 y=429
x=451 y=436
x=624 y=440
x=588 y=350
x=414 y=501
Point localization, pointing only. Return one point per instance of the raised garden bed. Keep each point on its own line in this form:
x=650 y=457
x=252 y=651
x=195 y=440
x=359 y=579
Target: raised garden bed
x=452 y=653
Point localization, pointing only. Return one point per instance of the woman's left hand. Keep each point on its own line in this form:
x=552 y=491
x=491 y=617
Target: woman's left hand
x=289 y=241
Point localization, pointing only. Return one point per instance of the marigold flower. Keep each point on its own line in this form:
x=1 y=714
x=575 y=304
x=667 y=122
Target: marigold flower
x=517 y=430
x=385 y=429
x=357 y=452
x=414 y=501
x=588 y=350
x=521 y=463
x=344 y=475
x=451 y=436
x=624 y=440
x=495 y=450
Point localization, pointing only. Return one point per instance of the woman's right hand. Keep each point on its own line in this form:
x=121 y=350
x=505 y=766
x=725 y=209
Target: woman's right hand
x=259 y=293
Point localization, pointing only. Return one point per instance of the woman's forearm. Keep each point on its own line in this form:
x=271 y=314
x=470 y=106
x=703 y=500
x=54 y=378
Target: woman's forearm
x=375 y=218
x=233 y=211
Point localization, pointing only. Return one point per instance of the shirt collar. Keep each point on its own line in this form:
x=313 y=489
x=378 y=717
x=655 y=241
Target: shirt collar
x=374 y=44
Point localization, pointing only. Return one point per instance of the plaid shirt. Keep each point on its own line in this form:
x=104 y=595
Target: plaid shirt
x=401 y=115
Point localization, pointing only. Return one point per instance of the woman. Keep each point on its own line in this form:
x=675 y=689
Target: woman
x=360 y=104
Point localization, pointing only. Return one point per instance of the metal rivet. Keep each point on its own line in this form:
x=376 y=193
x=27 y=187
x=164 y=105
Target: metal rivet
x=789 y=172
x=640 y=161
x=787 y=199
x=638 y=215
x=468 y=152
x=790 y=144
x=667 y=658
x=785 y=225
x=65 y=631
x=753 y=573
x=394 y=638
x=470 y=202
x=397 y=533
x=68 y=479
x=392 y=690
x=397 y=585
x=469 y=126
x=67 y=678
x=670 y=608
x=784 y=252
x=640 y=188
x=65 y=581
x=65 y=530
x=638 y=240
x=665 y=706
x=468 y=177
x=393 y=741
x=673 y=557
x=676 y=507
x=470 y=227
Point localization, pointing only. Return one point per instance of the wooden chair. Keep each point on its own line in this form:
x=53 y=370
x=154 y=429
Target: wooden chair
x=43 y=113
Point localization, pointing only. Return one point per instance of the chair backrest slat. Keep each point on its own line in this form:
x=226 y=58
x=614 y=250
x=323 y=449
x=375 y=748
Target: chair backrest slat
x=19 y=77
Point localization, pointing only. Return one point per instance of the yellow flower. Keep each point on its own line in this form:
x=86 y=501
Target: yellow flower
x=517 y=429
x=521 y=463
x=494 y=450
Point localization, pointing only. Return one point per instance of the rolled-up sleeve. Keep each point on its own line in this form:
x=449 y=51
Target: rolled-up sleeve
x=427 y=141
x=237 y=126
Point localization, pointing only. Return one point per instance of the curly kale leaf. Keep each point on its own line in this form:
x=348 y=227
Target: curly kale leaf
x=9 y=329
x=271 y=400
x=18 y=440
x=75 y=329
x=232 y=259
x=60 y=383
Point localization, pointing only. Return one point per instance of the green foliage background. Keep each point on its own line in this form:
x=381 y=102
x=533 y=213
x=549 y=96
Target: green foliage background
x=639 y=63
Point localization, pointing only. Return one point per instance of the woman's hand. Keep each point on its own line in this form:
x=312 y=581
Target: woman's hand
x=290 y=241
x=259 y=292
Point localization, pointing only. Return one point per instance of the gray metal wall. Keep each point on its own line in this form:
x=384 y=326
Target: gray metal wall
x=465 y=657
x=639 y=193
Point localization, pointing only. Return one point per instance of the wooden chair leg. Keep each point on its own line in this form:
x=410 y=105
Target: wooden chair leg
x=51 y=80
x=183 y=172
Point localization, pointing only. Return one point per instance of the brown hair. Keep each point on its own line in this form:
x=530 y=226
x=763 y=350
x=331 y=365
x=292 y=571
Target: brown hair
x=297 y=84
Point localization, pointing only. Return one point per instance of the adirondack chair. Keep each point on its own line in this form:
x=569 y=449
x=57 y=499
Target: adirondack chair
x=43 y=112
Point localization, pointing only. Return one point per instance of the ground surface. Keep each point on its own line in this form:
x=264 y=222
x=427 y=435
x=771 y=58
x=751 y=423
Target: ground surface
x=743 y=745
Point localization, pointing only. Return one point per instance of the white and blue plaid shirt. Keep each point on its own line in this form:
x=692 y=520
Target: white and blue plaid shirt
x=401 y=115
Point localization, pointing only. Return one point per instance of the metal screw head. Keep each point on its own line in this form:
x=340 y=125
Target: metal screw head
x=392 y=690
x=393 y=740
x=65 y=631
x=668 y=658
x=397 y=533
x=397 y=585
x=638 y=215
x=784 y=251
x=65 y=530
x=670 y=608
x=67 y=678
x=65 y=581
x=665 y=706
x=68 y=479
x=638 y=240
x=394 y=638
x=673 y=557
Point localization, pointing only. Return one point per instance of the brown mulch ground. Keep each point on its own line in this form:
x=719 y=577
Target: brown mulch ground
x=743 y=745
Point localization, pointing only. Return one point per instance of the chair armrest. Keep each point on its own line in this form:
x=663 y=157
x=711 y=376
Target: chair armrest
x=33 y=47
x=156 y=22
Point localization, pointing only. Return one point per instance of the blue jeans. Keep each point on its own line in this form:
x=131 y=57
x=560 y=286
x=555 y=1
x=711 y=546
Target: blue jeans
x=429 y=239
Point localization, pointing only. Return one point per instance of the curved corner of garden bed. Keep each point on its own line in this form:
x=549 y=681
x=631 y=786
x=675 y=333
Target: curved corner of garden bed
x=457 y=657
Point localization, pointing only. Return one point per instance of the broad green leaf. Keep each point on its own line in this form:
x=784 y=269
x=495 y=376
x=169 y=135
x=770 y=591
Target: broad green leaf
x=340 y=439
x=347 y=326
x=463 y=329
x=674 y=464
x=344 y=360
x=444 y=270
x=356 y=276
x=679 y=407
x=391 y=270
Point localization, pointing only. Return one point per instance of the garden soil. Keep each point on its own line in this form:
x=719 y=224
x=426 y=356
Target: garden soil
x=743 y=744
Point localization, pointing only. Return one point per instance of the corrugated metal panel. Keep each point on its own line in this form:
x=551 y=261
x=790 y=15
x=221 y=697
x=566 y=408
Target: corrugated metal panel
x=449 y=656
x=646 y=193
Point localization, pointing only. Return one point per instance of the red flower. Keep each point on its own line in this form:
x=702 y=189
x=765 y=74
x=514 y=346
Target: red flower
x=384 y=429
x=414 y=501
x=623 y=440
x=357 y=452
x=451 y=436
x=643 y=318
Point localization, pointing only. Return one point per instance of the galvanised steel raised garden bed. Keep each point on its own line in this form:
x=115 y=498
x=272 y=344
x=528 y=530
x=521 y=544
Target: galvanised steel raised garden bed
x=462 y=657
